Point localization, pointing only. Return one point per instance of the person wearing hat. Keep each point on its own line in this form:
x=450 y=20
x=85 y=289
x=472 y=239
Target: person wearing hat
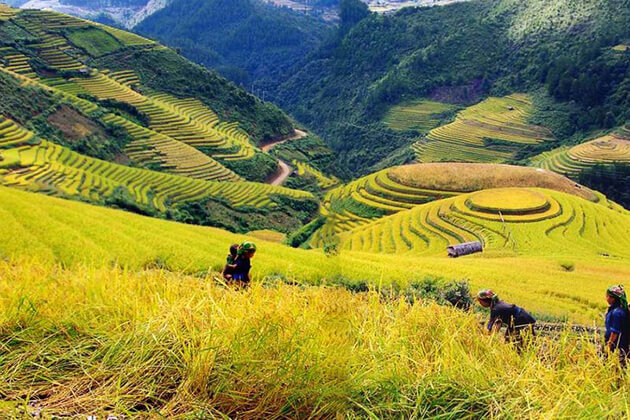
x=617 y=335
x=243 y=264
x=515 y=318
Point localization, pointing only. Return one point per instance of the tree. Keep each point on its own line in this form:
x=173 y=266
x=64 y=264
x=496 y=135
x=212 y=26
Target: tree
x=351 y=13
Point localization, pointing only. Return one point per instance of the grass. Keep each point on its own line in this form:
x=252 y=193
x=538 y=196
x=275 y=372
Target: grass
x=492 y=131
x=94 y=42
x=53 y=230
x=422 y=115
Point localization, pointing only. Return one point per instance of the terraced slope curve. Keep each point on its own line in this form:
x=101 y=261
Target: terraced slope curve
x=492 y=131
x=402 y=188
x=570 y=161
x=510 y=220
x=30 y=163
x=183 y=137
x=323 y=181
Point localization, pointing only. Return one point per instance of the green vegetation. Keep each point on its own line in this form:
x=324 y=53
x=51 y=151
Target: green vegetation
x=460 y=54
x=94 y=41
x=245 y=40
x=495 y=130
x=420 y=115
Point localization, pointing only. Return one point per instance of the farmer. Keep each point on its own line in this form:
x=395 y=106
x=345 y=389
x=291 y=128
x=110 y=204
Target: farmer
x=516 y=319
x=230 y=263
x=243 y=263
x=617 y=322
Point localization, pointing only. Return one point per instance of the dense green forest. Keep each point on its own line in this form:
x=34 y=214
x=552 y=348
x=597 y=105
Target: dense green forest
x=460 y=53
x=245 y=40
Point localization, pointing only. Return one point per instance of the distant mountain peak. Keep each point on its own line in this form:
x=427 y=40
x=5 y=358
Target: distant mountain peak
x=127 y=13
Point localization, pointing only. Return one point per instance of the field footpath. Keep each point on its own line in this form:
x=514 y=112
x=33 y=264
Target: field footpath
x=280 y=177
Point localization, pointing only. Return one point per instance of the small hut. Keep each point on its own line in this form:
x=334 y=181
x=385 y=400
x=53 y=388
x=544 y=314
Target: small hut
x=467 y=248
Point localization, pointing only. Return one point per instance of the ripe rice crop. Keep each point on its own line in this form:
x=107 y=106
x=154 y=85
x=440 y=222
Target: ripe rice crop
x=154 y=343
x=420 y=115
x=53 y=230
x=323 y=181
x=50 y=168
x=613 y=148
x=401 y=188
x=491 y=131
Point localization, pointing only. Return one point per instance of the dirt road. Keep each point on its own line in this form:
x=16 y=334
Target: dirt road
x=285 y=170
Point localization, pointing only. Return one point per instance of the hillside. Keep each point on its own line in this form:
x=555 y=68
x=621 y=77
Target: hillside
x=88 y=114
x=247 y=41
x=461 y=54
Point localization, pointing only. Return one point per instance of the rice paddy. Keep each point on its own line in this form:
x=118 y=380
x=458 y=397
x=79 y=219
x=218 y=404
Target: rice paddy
x=492 y=131
x=53 y=230
x=422 y=115
x=402 y=188
x=323 y=181
x=570 y=161
x=39 y=165
x=184 y=136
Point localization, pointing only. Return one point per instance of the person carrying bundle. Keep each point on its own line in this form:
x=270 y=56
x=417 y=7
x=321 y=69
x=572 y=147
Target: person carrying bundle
x=516 y=319
x=243 y=264
x=230 y=263
x=617 y=323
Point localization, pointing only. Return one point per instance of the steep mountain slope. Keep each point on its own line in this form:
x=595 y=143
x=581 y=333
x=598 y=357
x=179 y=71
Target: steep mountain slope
x=461 y=53
x=99 y=114
x=245 y=40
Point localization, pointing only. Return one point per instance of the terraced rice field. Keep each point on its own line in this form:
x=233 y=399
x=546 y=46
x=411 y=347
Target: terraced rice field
x=6 y=12
x=323 y=181
x=53 y=169
x=16 y=62
x=422 y=115
x=570 y=161
x=491 y=131
x=513 y=220
x=185 y=120
x=402 y=188
x=621 y=47
x=69 y=232
x=149 y=147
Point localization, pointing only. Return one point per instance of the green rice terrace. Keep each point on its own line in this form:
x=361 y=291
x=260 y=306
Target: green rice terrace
x=96 y=131
x=422 y=115
x=403 y=188
x=492 y=131
x=181 y=135
x=570 y=161
x=32 y=163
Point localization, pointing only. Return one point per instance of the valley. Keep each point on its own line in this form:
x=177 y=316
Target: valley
x=128 y=172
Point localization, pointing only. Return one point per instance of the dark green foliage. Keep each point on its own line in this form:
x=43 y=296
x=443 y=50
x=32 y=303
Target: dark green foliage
x=611 y=180
x=245 y=40
x=299 y=237
x=95 y=42
x=122 y=199
x=166 y=71
x=460 y=52
x=20 y=103
x=290 y=215
x=259 y=168
x=352 y=12
x=310 y=149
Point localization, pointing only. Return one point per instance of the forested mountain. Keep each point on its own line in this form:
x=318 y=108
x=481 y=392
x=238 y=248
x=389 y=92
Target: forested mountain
x=460 y=53
x=245 y=40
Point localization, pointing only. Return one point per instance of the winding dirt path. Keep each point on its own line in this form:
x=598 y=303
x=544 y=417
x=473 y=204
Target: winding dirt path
x=285 y=170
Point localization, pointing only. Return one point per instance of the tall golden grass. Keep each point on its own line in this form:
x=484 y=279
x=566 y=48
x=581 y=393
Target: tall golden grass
x=98 y=341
